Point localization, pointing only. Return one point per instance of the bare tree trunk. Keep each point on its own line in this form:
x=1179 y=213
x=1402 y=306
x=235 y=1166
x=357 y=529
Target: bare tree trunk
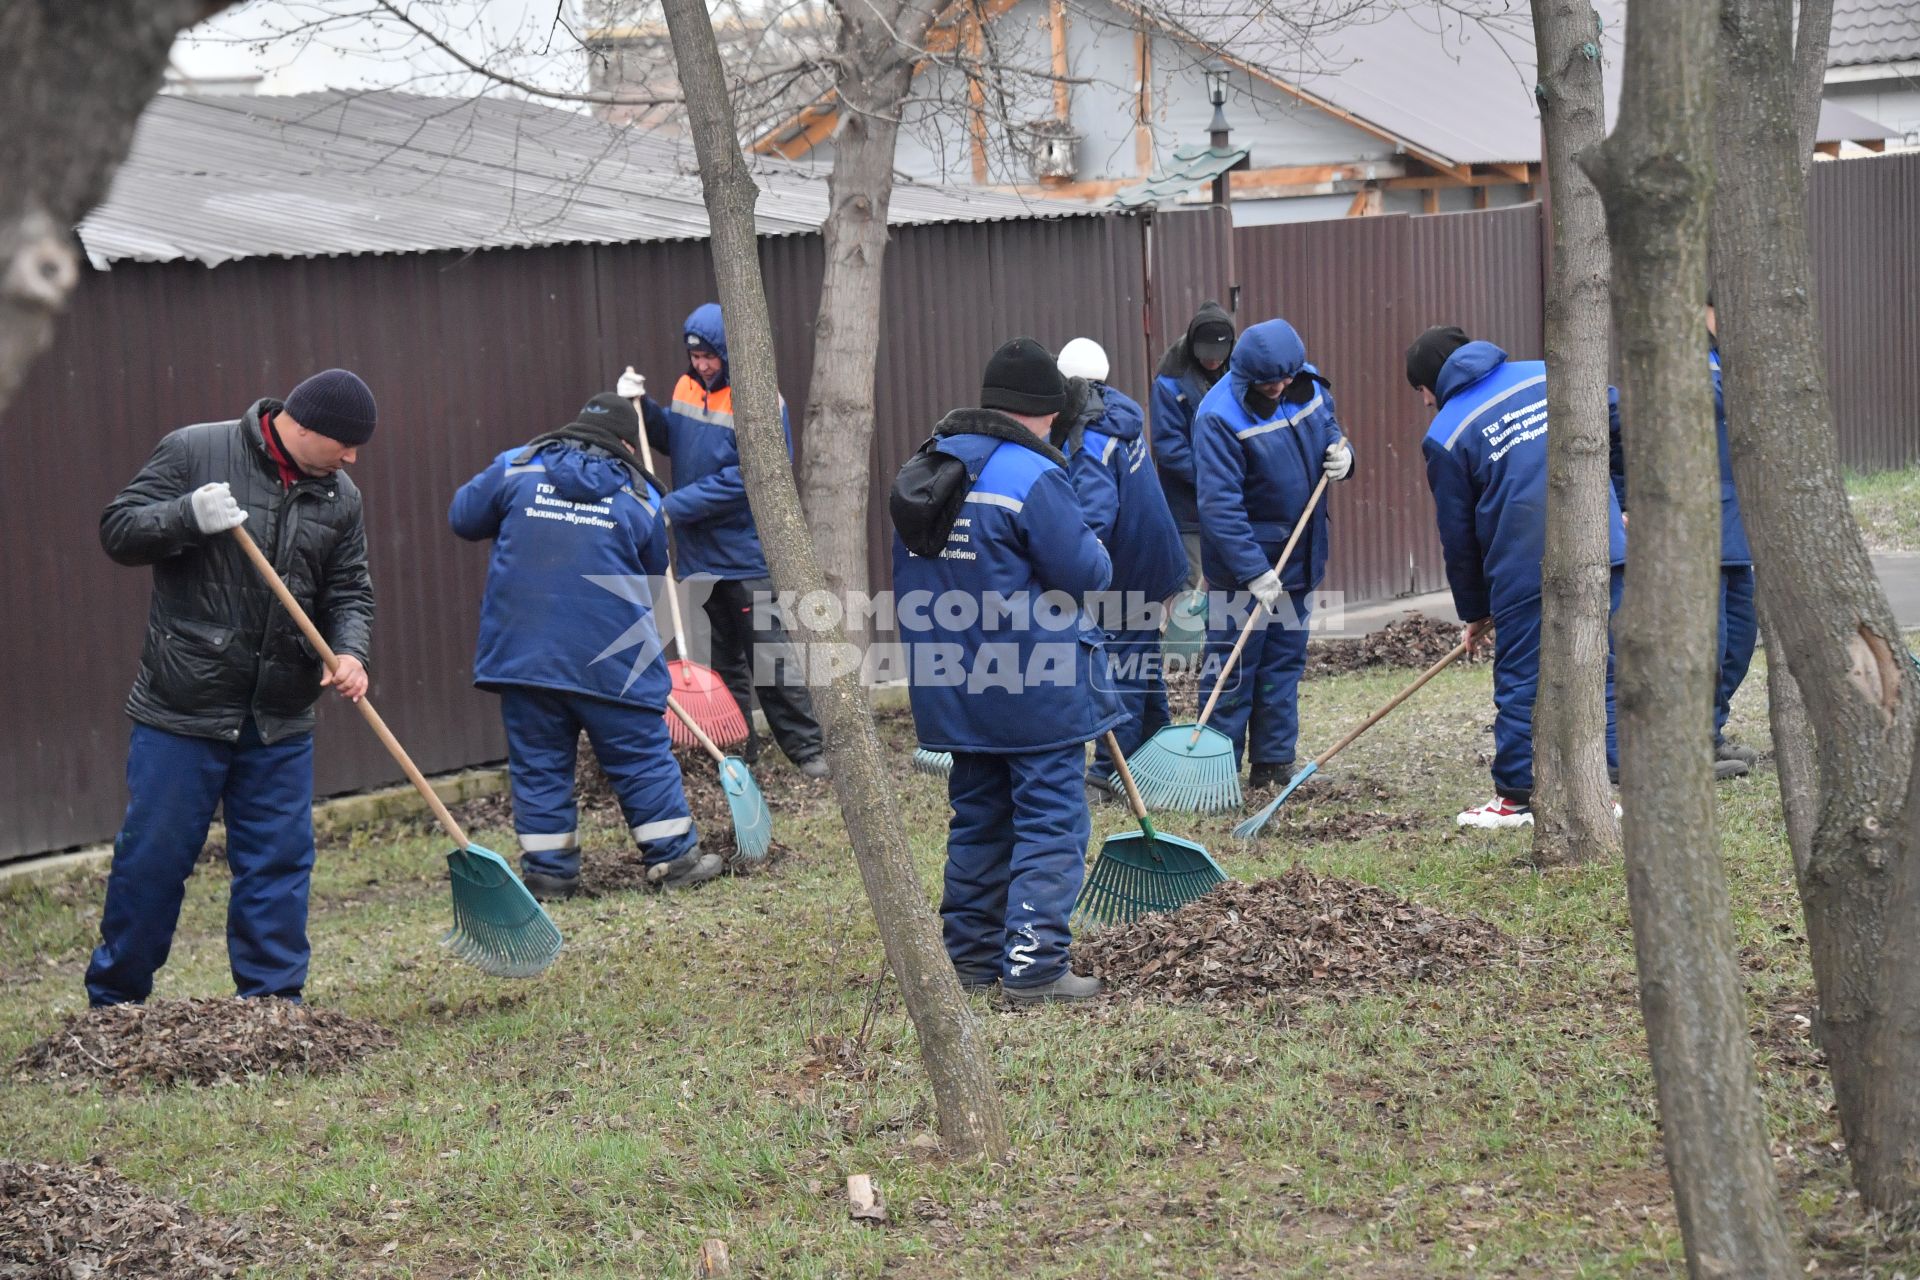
x=1793 y=762
x=1572 y=803
x=876 y=54
x=1829 y=622
x=73 y=80
x=1655 y=175
x=965 y=1095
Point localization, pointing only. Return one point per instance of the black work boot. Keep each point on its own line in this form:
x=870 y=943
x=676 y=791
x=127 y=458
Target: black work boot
x=975 y=981
x=1724 y=750
x=1270 y=775
x=1069 y=986
x=546 y=888
x=690 y=868
x=814 y=767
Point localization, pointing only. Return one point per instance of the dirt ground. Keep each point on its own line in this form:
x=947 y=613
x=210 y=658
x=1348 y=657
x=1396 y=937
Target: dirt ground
x=199 y=1042
x=1299 y=933
x=66 y=1222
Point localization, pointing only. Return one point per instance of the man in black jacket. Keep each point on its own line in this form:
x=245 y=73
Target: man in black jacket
x=223 y=703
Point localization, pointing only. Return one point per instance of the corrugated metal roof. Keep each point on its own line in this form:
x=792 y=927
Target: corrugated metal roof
x=215 y=179
x=1190 y=167
x=1866 y=32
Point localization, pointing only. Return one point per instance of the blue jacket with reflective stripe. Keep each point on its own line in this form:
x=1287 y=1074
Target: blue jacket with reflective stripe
x=1258 y=470
x=1121 y=497
x=1734 y=549
x=713 y=525
x=1001 y=655
x=569 y=605
x=1486 y=454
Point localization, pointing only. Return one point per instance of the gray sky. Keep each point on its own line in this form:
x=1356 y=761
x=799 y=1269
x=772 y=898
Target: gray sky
x=302 y=45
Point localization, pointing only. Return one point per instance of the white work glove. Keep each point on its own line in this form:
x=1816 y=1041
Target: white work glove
x=1338 y=460
x=632 y=385
x=1267 y=590
x=214 y=509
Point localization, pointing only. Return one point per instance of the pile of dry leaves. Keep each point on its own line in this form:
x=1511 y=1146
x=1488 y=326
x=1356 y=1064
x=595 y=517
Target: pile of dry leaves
x=201 y=1042
x=1243 y=943
x=1415 y=641
x=60 y=1222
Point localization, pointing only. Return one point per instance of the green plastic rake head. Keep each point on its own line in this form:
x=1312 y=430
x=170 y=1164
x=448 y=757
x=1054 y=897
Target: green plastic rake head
x=1187 y=768
x=1141 y=872
x=497 y=925
x=938 y=763
x=752 y=823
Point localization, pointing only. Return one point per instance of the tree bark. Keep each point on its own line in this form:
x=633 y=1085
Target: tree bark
x=1829 y=621
x=876 y=52
x=74 y=79
x=1572 y=802
x=965 y=1095
x=1655 y=175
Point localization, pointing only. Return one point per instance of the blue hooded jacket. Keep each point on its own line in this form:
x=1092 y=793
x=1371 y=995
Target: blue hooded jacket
x=1179 y=385
x=713 y=526
x=1257 y=470
x=1002 y=656
x=1486 y=454
x=562 y=516
x=1734 y=550
x=1121 y=498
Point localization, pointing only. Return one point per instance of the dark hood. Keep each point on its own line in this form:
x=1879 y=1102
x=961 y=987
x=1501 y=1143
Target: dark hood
x=707 y=325
x=1178 y=362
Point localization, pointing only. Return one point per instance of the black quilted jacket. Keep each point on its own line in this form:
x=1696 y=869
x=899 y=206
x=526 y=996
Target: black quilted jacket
x=219 y=647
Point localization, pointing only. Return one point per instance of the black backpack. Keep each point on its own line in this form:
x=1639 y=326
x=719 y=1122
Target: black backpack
x=926 y=497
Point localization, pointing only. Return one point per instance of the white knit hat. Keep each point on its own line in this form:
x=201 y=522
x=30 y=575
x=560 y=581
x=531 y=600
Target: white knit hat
x=1083 y=358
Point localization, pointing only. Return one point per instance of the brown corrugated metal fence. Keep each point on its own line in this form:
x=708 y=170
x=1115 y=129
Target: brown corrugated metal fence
x=1865 y=228
x=469 y=353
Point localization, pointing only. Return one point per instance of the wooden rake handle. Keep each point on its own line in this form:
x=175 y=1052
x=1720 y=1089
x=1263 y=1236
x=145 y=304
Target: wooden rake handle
x=1286 y=554
x=1396 y=700
x=673 y=593
x=1134 y=802
x=719 y=756
x=327 y=655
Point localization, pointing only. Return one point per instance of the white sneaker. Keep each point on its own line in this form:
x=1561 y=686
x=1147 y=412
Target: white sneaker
x=1497 y=813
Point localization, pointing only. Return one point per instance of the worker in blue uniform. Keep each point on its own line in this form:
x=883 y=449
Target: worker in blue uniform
x=717 y=542
x=1261 y=439
x=1739 y=623
x=1486 y=453
x=991 y=559
x=1102 y=435
x=568 y=641
x=1192 y=364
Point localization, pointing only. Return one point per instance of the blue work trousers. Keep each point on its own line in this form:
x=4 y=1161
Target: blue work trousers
x=1016 y=854
x=1259 y=707
x=635 y=752
x=174 y=783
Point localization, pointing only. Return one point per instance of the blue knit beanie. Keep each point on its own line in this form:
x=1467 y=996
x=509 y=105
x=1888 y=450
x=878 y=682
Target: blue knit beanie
x=334 y=403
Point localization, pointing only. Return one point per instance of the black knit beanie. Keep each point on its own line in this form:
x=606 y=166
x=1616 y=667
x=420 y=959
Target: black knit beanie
x=1023 y=378
x=334 y=403
x=1429 y=352
x=612 y=413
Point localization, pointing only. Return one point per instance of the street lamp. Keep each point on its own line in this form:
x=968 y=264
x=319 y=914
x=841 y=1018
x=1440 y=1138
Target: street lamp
x=1217 y=94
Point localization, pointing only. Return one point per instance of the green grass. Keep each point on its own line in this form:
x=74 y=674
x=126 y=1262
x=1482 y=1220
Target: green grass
x=1887 y=505
x=665 y=1084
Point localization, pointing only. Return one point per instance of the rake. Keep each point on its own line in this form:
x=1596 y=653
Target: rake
x=1191 y=768
x=937 y=763
x=498 y=927
x=700 y=690
x=752 y=823
x=1250 y=828
x=1136 y=873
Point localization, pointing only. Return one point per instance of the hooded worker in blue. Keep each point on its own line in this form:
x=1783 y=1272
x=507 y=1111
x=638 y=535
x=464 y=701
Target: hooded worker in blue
x=1739 y=623
x=1101 y=433
x=991 y=560
x=1195 y=361
x=568 y=641
x=1262 y=438
x=1486 y=453
x=715 y=539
